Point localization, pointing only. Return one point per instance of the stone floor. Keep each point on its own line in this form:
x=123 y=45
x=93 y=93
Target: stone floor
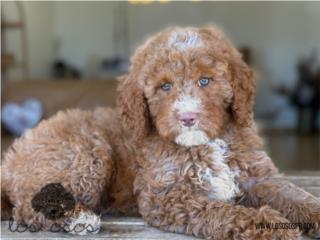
x=114 y=228
x=136 y=228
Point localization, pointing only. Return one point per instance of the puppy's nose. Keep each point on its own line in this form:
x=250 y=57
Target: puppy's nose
x=188 y=119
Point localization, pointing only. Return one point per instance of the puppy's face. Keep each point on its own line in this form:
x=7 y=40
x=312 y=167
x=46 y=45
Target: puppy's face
x=187 y=81
x=188 y=90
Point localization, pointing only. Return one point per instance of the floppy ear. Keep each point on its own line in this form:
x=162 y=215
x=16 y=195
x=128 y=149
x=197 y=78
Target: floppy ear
x=244 y=88
x=132 y=107
x=242 y=77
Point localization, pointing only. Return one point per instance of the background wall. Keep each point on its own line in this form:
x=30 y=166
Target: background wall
x=84 y=33
x=39 y=26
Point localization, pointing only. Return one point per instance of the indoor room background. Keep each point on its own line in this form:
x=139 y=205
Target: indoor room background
x=59 y=55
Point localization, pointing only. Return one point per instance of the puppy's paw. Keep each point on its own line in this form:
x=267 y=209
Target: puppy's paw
x=83 y=221
x=314 y=230
x=270 y=225
x=270 y=233
x=311 y=221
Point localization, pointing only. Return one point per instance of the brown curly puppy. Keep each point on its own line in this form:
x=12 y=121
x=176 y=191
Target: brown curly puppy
x=181 y=145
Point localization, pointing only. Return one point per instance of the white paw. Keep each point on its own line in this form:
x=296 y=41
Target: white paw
x=83 y=223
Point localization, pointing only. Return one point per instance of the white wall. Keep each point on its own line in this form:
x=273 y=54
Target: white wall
x=39 y=26
x=83 y=33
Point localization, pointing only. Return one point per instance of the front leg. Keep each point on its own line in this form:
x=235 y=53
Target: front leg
x=181 y=212
x=293 y=202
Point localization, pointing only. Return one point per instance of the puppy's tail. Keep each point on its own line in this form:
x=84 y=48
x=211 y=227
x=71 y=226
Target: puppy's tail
x=6 y=206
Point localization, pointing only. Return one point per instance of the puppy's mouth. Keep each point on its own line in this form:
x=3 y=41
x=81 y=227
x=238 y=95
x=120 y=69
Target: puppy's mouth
x=188 y=108
x=191 y=136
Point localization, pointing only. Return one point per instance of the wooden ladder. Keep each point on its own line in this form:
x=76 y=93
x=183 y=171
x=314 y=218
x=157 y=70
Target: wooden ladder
x=8 y=59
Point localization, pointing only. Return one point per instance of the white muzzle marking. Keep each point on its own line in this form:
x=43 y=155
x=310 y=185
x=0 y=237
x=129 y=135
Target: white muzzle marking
x=187 y=103
x=189 y=136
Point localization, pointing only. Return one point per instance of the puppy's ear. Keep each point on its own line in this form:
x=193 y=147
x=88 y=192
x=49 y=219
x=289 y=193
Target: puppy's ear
x=244 y=88
x=132 y=107
x=242 y=76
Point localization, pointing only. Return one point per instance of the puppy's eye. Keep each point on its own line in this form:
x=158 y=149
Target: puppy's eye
x=166 y=87
x=203 y=82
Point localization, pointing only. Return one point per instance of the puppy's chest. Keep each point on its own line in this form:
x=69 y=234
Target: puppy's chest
x=206 y=174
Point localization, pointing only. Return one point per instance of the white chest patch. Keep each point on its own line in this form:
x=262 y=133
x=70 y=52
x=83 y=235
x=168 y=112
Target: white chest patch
x=223 y=186
x=184 y=40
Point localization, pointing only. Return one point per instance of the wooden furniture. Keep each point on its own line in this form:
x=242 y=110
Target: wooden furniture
x=58 y=95
x=8 y=60
x=136 y=228
x=61 y=94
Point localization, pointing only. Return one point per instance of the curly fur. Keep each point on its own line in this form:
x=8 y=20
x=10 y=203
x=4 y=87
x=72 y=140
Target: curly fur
x=131 y=159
